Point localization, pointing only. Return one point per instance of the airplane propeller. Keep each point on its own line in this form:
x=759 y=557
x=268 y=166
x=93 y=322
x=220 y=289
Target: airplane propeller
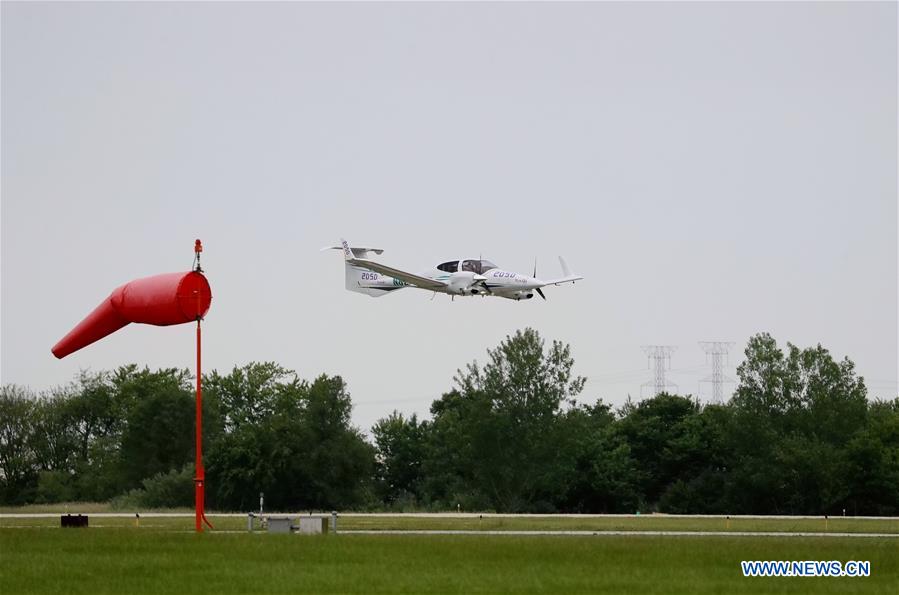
x=539 y=291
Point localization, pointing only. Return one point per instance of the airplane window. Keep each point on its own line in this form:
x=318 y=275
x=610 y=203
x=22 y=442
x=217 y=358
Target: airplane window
x=450 y=267
x=471 y=265
x=486 y=265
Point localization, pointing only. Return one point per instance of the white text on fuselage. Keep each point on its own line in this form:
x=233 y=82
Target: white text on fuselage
x=513 y=277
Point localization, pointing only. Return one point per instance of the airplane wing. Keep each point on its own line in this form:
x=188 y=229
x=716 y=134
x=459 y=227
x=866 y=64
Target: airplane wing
x=410 y=278
x=569 y=279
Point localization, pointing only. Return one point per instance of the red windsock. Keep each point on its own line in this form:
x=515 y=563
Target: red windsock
x=162 y=300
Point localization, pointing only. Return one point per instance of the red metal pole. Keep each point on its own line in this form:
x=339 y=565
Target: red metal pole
x=200 y=479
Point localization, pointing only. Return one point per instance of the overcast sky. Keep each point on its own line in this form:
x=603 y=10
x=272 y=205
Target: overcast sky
x=713 y=170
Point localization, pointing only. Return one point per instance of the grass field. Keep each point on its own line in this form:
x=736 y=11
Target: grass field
x=163 y=556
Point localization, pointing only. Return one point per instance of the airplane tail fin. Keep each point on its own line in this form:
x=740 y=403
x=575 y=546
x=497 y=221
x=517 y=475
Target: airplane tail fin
x=358 y=278
x=567 y=275
x=566 y=272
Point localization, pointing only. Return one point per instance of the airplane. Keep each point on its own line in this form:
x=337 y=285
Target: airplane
x=463 y=277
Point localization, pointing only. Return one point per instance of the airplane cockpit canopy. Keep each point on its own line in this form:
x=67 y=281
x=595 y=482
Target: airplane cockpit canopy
x=475 y=266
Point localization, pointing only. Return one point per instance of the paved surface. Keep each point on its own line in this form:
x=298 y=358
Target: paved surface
x=435 y=515
x=598 y=533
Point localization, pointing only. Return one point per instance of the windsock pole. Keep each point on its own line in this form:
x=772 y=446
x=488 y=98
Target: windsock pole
x=200 y=475
x=200 y=479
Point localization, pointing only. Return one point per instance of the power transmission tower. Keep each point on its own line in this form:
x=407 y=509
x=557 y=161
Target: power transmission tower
x=716 y=353
x=660 y=356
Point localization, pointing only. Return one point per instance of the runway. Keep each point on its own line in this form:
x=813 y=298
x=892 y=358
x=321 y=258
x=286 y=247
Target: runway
x=676 y=532
x=620 y=533
x=441 y=515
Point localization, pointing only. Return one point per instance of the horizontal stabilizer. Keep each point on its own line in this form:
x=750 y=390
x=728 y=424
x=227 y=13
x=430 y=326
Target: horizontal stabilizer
x=357 y=251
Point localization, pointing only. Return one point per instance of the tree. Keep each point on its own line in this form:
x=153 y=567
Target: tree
x=664 y=434
x=56 y=442
x=287 y=438
x=95 y=413
x=605 y=477
x=872 y=463
x=400 y=445
x=158 y=436
x=454 y=440
x=504 y=418
x=703 y=490
x=243 y=460
x=55 y=446
x=794 y=413
x=18 y=470
x=251 y=394
x=333 y=464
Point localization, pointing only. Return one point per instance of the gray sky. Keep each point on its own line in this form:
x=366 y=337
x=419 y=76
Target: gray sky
x=714 y=170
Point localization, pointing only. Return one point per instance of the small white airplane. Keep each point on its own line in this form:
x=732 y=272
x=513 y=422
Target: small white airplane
x=454 y=277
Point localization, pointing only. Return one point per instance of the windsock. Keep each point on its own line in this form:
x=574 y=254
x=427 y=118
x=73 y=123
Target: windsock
x=161 y=300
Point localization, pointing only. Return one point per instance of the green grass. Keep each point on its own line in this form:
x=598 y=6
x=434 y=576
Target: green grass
x=34 y=560
x=162 y=555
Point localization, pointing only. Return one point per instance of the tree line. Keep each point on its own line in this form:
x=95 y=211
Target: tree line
x=799 y=436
